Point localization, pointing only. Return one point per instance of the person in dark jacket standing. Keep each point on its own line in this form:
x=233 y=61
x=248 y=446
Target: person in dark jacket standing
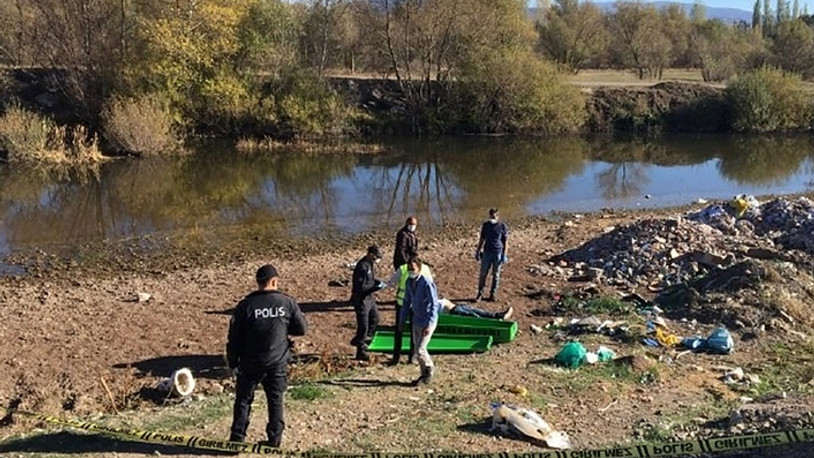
x=363 y=301
x=406 y=243
x=491 y=252
x=258 y=350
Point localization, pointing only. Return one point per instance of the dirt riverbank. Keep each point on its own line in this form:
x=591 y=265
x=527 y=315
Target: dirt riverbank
x=71 y=327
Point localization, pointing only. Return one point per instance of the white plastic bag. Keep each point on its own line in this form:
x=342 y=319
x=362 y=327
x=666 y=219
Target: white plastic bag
x=527 y=423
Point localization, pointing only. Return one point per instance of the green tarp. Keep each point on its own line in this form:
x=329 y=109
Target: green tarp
x=440 y=343
x=501 y=331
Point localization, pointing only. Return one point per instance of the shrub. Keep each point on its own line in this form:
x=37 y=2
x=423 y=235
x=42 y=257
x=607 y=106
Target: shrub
x=25 y=134
x=305 y=106
x=29 y=137
x=140 y=126
x=515 y=91
x=767 y=100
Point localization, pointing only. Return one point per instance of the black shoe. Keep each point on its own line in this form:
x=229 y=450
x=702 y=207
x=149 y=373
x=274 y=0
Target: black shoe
x=269 y=444
x=392 y=362
x=234 y=438
x=420 y=381
x=491 y=298
x=355 y=341
x=479 y=296
x=362 y=355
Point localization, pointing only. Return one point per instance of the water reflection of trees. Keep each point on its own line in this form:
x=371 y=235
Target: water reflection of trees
x=420 y=188
x=625 y=172
x=765 y=160
x=135 y=197
x=441 y=180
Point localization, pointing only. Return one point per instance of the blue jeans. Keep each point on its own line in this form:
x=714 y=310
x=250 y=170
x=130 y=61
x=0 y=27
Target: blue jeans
x=465 y=310
x=490 y=260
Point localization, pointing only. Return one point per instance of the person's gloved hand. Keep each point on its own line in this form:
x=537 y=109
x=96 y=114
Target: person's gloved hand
x=504 y=259
x=380 y=285
x=478 y=255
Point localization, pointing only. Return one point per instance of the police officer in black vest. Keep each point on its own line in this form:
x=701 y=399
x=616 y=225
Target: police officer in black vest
x=363 y=301
x=258 y=350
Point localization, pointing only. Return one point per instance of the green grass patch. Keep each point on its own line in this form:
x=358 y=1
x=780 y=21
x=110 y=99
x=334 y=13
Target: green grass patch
x=308 y=392
x=179 y=419
x=619 y=377
x=570 y=305
x=787 y=368
x=195 y=415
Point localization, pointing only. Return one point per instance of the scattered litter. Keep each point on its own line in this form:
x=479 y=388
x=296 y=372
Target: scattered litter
x=571 y=355
x=605 y=354
x=528 y=424
x=181 y=383
x=519 y=389
x=666 y=339
x=536 y=329
x=604 y=409
x=139 y=297
x=650 y=342
x=601 y=355
x=733 y=376
x=720 y=342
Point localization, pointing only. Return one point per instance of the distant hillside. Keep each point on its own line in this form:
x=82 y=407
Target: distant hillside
x=728 y=15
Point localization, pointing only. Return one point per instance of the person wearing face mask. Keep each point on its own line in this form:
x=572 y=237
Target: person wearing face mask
x=421 y=299
x=491 y=253
x=406 y=243
x=399 y=281
x=363 y=301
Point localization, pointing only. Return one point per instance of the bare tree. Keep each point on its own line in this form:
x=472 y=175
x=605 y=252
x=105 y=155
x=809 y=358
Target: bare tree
x=81 y=38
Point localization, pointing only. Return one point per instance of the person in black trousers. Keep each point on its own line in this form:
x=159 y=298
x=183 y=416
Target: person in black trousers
x=363 y=301
x=406 y=243
x=258 y=351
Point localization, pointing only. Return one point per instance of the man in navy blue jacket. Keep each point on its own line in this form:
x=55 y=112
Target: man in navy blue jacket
x=491 y=252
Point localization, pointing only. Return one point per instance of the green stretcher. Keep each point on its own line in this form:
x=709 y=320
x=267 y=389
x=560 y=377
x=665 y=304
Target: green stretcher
x=500 y=331
x=440 y=343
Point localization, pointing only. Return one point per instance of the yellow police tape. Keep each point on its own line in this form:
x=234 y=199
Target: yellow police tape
x=666 y=449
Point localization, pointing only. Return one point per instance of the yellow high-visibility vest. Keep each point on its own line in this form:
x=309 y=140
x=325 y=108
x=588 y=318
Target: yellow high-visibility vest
x=404 y=275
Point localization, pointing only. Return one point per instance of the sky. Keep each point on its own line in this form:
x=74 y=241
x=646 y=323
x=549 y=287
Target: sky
x=739 y=4
x=745 y=4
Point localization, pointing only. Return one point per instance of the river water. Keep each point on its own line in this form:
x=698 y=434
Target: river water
x=447 y=180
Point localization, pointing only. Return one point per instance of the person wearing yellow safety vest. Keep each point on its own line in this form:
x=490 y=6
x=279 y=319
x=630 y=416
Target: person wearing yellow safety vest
x=399 y=280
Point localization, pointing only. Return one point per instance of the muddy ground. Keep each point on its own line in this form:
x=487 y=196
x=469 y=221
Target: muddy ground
x=75 y=342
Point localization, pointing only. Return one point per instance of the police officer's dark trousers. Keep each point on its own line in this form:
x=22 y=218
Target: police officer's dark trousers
x=367 y=319
x=273 y=379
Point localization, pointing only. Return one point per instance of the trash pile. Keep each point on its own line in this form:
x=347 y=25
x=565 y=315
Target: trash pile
x=662 y=252
x=668 y=251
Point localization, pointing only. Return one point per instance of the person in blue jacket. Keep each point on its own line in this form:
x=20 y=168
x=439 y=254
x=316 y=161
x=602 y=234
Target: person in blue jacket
x=421 y=298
